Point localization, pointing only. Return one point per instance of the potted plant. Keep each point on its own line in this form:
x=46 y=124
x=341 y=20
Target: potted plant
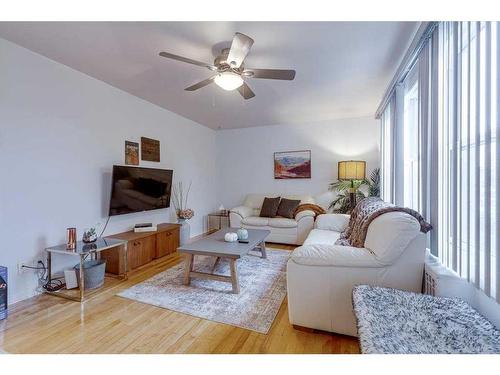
x=341 y=204
x=183 y=213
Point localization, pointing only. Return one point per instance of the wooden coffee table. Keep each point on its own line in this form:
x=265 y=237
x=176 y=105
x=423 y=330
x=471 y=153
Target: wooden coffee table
x=215 y=246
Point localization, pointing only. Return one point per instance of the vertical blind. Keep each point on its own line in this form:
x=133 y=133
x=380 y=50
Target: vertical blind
x=468 y=129
x=458 y=127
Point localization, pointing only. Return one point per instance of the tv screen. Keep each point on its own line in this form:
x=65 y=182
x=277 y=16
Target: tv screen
x=136 y=189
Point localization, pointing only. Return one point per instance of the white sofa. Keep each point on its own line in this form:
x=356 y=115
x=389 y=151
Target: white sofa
x=321 y=275
x=288 y=231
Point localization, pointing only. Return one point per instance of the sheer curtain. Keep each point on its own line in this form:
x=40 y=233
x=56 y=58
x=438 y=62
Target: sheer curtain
x=458 y=152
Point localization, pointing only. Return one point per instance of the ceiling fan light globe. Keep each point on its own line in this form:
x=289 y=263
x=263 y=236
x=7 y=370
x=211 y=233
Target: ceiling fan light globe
x=228 y=81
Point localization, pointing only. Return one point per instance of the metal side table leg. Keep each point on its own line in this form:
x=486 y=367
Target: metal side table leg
x=49 y=267
x=81 y=281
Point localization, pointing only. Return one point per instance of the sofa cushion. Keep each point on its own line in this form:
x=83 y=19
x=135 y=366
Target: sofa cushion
x=281 y=222
x=334 y=255
x=320 y=236
x=269 y=207
x=389 y=235
x=287 y=207
x=335 y=222
x=255 y=200
x=243 y=211
x=255 y=221
x=302 y=198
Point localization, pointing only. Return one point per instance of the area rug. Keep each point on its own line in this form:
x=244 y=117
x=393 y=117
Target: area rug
x=262 y=290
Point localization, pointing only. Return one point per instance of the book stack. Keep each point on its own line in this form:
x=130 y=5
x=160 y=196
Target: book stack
x=145 y=227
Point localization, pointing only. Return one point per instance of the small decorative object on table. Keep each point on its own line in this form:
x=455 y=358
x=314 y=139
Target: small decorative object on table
x=230 y=237
x=89 y=235
x=180 y=201
x=242 y=234
x=71 y=238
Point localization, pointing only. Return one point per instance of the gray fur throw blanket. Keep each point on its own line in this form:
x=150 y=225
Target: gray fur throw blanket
x=392 y=321
x=364 y=213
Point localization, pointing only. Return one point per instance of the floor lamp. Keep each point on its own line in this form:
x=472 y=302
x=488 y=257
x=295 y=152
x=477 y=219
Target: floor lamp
x=352 y=170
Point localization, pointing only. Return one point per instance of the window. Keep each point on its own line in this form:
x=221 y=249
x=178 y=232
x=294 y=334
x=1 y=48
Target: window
x=467 y=183
x=410 y=140
x=449 y=116
x=386 y=142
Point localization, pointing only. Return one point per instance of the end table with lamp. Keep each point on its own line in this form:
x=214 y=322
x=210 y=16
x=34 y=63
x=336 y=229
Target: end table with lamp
x=352 y=170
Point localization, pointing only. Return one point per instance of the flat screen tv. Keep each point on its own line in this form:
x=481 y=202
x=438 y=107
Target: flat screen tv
x=136 y=189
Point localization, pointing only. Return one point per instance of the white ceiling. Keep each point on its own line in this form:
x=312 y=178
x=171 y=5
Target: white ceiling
x=342 y=68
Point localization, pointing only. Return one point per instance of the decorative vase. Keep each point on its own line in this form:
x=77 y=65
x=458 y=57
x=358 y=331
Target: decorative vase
x=184 y=230
x=231 y=237
x=242 y=234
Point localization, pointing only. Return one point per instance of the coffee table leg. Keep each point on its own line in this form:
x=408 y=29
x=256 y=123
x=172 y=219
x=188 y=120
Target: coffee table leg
x=188 y=266
x=234 y=276
x=263 y=249
x=215 y=263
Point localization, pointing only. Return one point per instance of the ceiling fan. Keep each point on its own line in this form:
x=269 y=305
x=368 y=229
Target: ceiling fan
x=230 y=69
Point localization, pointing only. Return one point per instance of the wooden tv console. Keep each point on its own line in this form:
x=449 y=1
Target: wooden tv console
x=142 y=247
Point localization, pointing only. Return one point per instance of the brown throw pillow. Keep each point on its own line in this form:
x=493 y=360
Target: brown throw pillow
x=287 y=207
x=269 y=207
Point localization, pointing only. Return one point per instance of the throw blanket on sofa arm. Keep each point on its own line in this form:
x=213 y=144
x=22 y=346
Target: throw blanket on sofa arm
x=309 y=207
x=364 y=213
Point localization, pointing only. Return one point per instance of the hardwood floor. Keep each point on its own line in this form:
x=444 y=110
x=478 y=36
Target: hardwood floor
x=110 y=324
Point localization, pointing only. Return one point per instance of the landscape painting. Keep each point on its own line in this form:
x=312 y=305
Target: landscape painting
x=292 y=164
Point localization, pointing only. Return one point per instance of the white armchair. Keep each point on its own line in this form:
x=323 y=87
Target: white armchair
x=321 y=275
x=283 y=230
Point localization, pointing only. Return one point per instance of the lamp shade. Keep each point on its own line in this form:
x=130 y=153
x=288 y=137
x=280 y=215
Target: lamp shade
x=352 y=170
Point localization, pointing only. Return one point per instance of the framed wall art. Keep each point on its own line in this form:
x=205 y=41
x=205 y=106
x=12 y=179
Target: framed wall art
x=150 y=149
x=292 y=164
x=131 y=153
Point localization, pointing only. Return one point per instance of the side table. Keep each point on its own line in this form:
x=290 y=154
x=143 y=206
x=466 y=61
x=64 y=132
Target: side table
x=83 y=251
x=220 y=215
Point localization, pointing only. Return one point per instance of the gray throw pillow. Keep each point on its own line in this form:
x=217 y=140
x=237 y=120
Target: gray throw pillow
x=269 y=207
x=287 y=207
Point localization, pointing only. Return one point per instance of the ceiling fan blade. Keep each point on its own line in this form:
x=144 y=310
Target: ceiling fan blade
x=270 y=74
x=239 y=49
x=201 y=84
x=187 y=60
x=246 y=91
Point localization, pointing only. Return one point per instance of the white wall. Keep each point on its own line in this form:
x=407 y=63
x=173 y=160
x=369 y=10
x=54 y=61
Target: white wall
x=60 y=133
x=245 y=156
